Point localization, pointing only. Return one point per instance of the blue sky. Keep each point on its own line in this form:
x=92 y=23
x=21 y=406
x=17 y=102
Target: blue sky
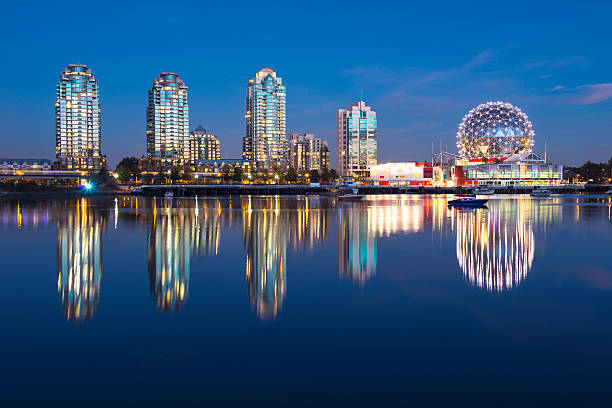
x=422 y=68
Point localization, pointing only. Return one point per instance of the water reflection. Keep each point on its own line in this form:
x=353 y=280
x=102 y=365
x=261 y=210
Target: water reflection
x=270 y=225
x=357 y=246
x=265 y=240
x=168 y=258
x=494 y=248
x=79 y=260
x=493 y=252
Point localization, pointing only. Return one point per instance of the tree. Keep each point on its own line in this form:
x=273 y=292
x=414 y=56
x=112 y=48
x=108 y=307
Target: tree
x=127 y=169
x=175 y=175
x=291 y=175
x=161 y=177
x=325 y=175
x=187 y=176
x=314 y=176
x=104 y=179
x=279 y=176
x=225 y=173
x=333 y=174
x=238 y=174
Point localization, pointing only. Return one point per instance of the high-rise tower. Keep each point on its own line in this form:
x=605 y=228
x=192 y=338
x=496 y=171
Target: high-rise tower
x=265 y=141
x=168 y=122
x=77 y=120
x=357 y=140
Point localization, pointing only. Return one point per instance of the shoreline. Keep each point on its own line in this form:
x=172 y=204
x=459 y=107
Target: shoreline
x=292 y=190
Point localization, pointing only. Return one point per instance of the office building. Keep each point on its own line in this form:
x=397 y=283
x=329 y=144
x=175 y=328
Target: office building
x=77 y=120
x=265 y=142
x=168 y=122
x=356 y=140
x=307 y=153
x=203 y=145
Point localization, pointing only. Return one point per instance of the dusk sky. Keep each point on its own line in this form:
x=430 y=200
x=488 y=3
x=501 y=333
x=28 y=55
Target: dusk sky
x=422 y=67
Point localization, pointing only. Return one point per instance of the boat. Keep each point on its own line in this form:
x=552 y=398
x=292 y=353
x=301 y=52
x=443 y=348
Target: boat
x=337 y=191
x=168 y=194
x=468 y=202
x=351 y=196
x=541 y=192
x=484 y=191
x=609 y=192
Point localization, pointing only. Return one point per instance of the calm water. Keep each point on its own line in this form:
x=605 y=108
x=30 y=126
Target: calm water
x=273 y=300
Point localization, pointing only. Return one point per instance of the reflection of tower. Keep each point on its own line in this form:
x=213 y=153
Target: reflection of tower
x=307 y=225
x=168 y=259
x=265 y=239
x=356 y=244
x=494 y=253
x=79 y=261
x=205 y=232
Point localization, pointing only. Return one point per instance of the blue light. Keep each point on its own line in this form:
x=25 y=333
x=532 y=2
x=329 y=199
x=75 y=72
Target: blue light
x=87 y=186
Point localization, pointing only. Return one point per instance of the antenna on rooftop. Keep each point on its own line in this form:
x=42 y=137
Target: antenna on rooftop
x=361 y=94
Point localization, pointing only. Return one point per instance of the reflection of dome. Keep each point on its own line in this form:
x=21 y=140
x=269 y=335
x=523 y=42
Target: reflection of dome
x=494 y=254
x=494 y=129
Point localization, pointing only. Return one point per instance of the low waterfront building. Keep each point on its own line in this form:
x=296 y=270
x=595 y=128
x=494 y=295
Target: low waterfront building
x=527 y=169
x=307 y=153
x=408 y=173
x=213 y=169
x=203 y=145
x=41 y=171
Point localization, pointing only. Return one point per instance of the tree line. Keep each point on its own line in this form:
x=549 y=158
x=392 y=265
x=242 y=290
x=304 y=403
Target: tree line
x=128 y=171
x=590 y=172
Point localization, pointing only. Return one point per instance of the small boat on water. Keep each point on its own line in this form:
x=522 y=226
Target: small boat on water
x=168 y=194
x=484 y=191
x=353 y=196
x=337 y=191
x=468 y=202
x=541 y=192
x=609 y=192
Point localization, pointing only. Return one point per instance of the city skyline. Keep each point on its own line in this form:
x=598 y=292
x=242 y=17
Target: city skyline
x=421 y=85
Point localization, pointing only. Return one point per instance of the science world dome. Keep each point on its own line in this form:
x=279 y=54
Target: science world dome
x=494 y=130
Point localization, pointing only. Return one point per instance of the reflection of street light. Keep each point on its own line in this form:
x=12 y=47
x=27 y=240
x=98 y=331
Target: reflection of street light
x=276 y=178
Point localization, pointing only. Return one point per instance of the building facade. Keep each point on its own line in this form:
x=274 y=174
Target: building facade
x=307 y=153
x=357 y=140
x=77 y=120
x=203 y=145
x=168 y=122
x=265 y=141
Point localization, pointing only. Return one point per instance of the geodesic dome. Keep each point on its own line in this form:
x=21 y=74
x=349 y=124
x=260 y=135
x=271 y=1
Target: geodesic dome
x=494 y=130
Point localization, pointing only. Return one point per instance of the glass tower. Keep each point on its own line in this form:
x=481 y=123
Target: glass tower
x=77 y=120
x=357 y=140
x=265 y=141
x=168 y=122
